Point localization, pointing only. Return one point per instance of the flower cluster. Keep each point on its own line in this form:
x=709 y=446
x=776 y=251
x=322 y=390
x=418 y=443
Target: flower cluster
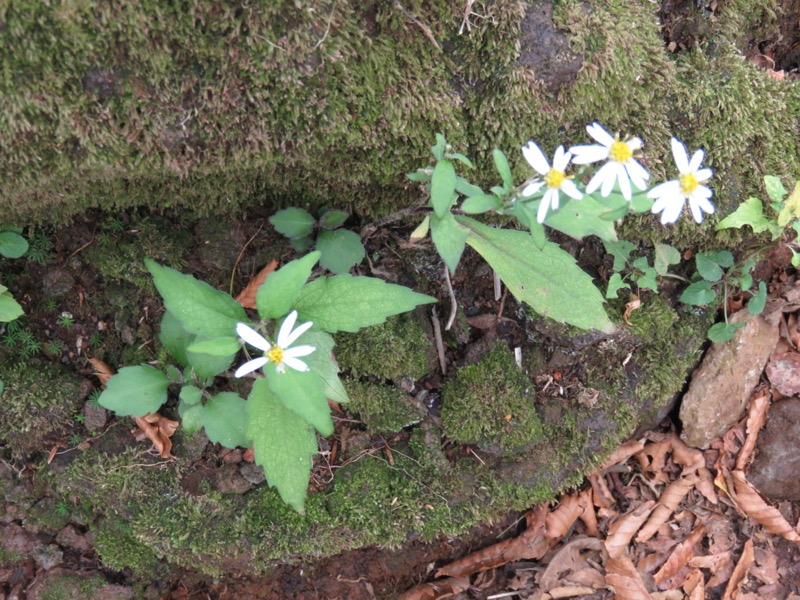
x=621 y=169
x=279 y=353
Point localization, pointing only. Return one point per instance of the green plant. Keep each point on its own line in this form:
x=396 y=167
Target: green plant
x=50 y=304
x=94 y=398
x=204 y=329
x=96 y=339
x=12 y=245
x=62 y=508
x=29 y=345
x=75 y=439
x=54 y=348
x=41 y=247
x=66 y=320
x=340 y=249
x=80 y=418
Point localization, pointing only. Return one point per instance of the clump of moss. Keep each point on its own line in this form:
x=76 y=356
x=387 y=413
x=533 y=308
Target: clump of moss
x=38 y=401
x=66 y=586
x=383 y=408
x=120 y=550
x=491 y=403
x=398 y=348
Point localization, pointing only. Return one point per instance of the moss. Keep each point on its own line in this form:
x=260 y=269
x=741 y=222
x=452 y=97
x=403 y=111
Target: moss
x=491 y=403
x=66 y=586
x=398 y=348
x=120 y=550
x=383 y=408
x=50 y=513
x=38 y=401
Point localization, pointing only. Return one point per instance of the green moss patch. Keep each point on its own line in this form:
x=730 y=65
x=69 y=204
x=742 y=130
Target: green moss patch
x=383 y=408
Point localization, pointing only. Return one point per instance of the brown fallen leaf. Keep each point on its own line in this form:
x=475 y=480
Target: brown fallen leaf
x=623 y=577
x=438 y=590
x=54 y=450
x=622 y=531
x=756 y=417
x=601 y=494
x=588 y=517
x=569 y=591
x=667 y=503
x=712 y=562
x=560 y=520
x=680 y=556
x=750 y=501
x=740 y=572
x=102 y=371
x=158 y=430
x=247 y=297
x=487 y=321
x=569 y=559
x=631 y=306
x=695 y=585
x=622 y=453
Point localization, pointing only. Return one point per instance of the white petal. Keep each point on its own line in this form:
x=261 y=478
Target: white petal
x=543 y=206
x=298 y=351
x=532 y=187
x=635 y=143
x=680 y=156
x=536 y=158
x=598 y=178
x=702 y=201
x=583 y=155
x=697 y=160
x=554 y=197
x=252 y=337
x=613 y=171
x=286 y=330
x=624 y=184
x=661 y=203
x=301 y=329
x=570 y=189
x=696 y=212
x=600 y=134
x=672 y=212
x=703 y=175
x=638 y=173
x=561 y=159
x=250 y=366
x=702 y=191
x=296 y=364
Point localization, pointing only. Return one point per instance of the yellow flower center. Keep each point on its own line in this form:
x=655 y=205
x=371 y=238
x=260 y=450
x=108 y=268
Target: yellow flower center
x=688 y=183
x=554 y=178
x=620 y=152
x=275 y=354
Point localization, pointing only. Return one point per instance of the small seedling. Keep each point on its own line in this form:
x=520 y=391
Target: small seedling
x=66 y=320
x=62 y=508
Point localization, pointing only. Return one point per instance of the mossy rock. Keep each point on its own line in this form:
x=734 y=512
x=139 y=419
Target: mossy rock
x=491 y=403
x=383 y=408
x=120 y=550
x=39 y=402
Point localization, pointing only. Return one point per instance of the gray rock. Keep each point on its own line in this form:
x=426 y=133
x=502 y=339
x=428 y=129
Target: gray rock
x=721 y=386
x=48 y=556
x=776 y=468
x=252 y=473
x=57 y=282
x=95 y=418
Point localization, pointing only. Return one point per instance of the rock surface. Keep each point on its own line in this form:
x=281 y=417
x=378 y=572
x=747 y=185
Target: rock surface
x=776 y=468
x=721 y=386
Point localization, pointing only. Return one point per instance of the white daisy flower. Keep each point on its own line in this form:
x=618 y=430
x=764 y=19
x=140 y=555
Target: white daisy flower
x=672 y=195
x=279 y=353
x=553 y=177
x=621 y=165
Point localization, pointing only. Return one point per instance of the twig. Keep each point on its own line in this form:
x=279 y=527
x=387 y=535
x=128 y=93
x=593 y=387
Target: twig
x=328 y=28
x=437 y=335
x=239 y=258
x=453 y=303
x=497 y=285
x=425 y=29
x=86 y=245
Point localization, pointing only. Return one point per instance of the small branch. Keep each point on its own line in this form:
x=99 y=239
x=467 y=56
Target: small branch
x=453 y=303
x=425 y=29
x=497 y=286
x=437 y=335
x=328 y=28
x=239 y=258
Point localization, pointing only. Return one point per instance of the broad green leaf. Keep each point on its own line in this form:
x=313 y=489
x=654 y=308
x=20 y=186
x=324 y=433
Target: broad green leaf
x=174 y=374
x=620 y=250
x=191 y=395
x=774 y=187
x=503 y=169
x=499 y=191
x=324 y=364
x=208 y=365
x=421 y=231
x=525 y=213
x=175 y=338
x=750 y=212
x=348 y=303
x=283 y=444
x=615 y=283
x=302 y=393
x=443 y=187
x=449 y=238
x=617 y=207
x=333 y=218
x=698 y=294
x=709 y=270
x=276 y=295
x=642 y=263
x=293 y=222
x=756 y=304
x=302 y=244
x=191 y=416
x=10 y=309
x=439 y=148
x=225 y=420
x=722 y=332
x=723 y=258
x=221 y=346
x=579 y=218
x=466 y=188
x=476 y=205
x=200 y=308
x=341 y=250
x=792 y=207
x=548 y=280
x=12 y=244
x=640 y=203
x=460 y=158
x=647 y=279
x=664 y=256
x=135 y=391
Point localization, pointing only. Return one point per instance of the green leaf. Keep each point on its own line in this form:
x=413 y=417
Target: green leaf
x=790 y=210
x=225 y=420
x=709 y=264
x=640 y=203
x=282 y=443
x=293 y=222
x=175 y=338
x=347 y=303
x=698 y=294
x=420 y=176
x=191 y=416
x=579 y=218
x=449 y=238
x=750 y=212
x=341 y=250
x=647 y=279
x=333 y=218
x=302 y=393
x=302 y=244
x=476 y=205
x=135 y=391
x=722 y=332
x=12 y=244
x=421 y=231
x=756 y=304
x=501 y=163
x=438 y=149
x=775 y=189
x=10 y=309
x=208 y=365
x=221 y=346
x=547 y=279
x=174 y=374
x=443 y=187
x=200 y=308
x=466 y=188
x=621 y=250
x=191 y=395
x=280 y=289
x=460 y=158
x=324 y=364
x=615 y=283
x=664 y=256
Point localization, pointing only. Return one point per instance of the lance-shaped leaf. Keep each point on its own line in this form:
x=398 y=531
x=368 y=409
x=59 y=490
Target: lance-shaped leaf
x=348 y=303
x=135 y=391
x=283 y=444
x=443 y=187
x=324 y=364
x=548 y=280
x=200 y=308
x=450 y=239
x=280 y=289
x=302 y=393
